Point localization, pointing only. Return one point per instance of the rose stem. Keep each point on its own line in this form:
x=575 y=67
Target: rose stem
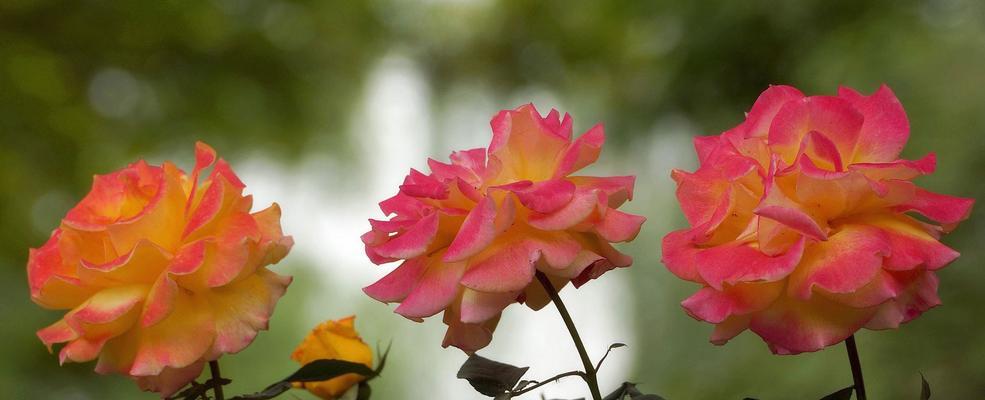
x=591 y=378
x=856 y=367
x=216 y=380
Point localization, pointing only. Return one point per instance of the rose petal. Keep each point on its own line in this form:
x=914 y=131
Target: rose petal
x=476 y=232
x=577 y=210
x=763 y=111
x=728 y=329
x=413 y=242
x=618 y=226
x=832 y=117
x=403 y=206
x=543 y=197
x=918 y=294
x=942 y=208
x=582 y=152
x=911 y=244
x=434 y=290
x=466 y=336
x=779 y=207
x=619 y=189
x=54 y=283
x=886 y=128
x=791 y=326
x=897 y=169
x=160 y=301
x=478 y=307
x=505 y=269
x=142 y=265
x=177 y=341
x=108 y=305
x=416 y=184
x=738 y=262
x=81 y=350
x=171 y=380
x=715 y=306
x=243 y=308
x=558 y=250
x=222 y=193
x=396 y=285
x=679 y=254
x=881 y=287
x=59 y=332
x=520 y=134
x=820 y=149
x=848 y=260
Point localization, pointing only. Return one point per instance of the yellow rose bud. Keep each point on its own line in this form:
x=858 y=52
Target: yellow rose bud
x=334 y=340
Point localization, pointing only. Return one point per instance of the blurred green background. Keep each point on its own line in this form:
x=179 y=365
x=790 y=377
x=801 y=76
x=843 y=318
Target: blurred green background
x=323 y=105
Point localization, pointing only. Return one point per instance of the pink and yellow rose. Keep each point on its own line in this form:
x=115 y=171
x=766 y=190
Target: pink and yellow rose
x=160 y=272
x=471 y=234
x=802 y=226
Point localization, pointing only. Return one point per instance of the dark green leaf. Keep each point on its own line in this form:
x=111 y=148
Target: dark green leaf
x=323 y=370
x=629 y=389
x=194 y=391
x=364 y=390
x=491 y=378
x=522 y=384
x=198 y=390
x=268 y=393
x=315 y=371
x=383 y=355
x=619 y=393
x=843 y=394
x=924 y=388
x=598 y=366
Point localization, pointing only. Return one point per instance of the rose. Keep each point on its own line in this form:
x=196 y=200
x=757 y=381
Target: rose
x=334 y=340
x=161 y=273
x=800 y=226
x=472 y=233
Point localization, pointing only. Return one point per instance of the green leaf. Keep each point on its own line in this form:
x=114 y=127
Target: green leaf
x=629 y=389
x=522 y=385
x=324 y=369
x=924 y=388
x=270 y=392
x=364 y=390
x=194 y=391
x=197 y=390
x=619 y=393
x=491 y=378
x=315 y=371
x=598 y=366
x=383 y=355
x=843 y=394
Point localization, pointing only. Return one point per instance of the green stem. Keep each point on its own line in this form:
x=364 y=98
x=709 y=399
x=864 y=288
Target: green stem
x=856 y=367
x=591 y=378
x=548 y=380
x=216 y=380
